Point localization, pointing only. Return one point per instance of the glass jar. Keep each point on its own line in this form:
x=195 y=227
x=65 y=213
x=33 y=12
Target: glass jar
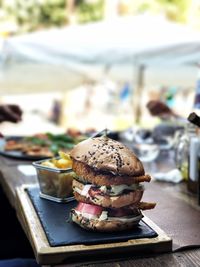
x=186 y=156
x=182 y=155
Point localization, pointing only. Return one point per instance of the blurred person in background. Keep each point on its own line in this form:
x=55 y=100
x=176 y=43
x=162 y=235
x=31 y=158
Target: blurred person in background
x=12 y=241
x=11 y=113
x=56 y=112
x=170 y=121
x=161 y=110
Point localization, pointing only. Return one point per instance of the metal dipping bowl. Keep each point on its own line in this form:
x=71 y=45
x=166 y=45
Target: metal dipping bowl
x=55 y=184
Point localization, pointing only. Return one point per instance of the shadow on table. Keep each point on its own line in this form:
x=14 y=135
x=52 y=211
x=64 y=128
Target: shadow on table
x=13 y=241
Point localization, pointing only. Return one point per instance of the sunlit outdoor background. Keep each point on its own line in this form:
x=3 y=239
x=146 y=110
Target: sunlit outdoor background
x=96 y=63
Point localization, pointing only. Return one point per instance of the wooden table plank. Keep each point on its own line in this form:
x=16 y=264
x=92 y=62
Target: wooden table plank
x=190 y=258
x=11 y=177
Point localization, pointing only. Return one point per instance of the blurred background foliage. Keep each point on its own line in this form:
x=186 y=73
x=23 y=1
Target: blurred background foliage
x=90 y=11
x=29 y=15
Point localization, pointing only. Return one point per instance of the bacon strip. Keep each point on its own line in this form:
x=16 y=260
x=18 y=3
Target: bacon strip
x=146 y=205
x=143 y=178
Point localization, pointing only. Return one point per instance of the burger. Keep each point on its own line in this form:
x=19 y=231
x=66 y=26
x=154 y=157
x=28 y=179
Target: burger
x=107 y=185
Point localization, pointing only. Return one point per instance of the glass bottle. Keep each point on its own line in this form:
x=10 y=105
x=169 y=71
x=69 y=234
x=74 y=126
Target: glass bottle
x=193 y=171
x=182 y=154
x=194 y=163
x=198 y=187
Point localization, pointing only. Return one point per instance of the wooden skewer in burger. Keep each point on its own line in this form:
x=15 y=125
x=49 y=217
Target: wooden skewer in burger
x=107 y=185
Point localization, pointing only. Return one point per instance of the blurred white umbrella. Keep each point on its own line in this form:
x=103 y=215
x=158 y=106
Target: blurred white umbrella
x=144 y=39
x=63 y=58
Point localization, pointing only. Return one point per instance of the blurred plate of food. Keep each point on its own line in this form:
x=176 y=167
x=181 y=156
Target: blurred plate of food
x=38 y=146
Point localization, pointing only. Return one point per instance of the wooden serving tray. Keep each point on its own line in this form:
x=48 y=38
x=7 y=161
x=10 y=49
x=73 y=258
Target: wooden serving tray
x=45 y=254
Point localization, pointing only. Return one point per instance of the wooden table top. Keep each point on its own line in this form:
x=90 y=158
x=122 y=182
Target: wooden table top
x=11 y=178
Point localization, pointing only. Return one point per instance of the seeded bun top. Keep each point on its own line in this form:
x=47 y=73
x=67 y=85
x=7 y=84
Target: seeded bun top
x=107 y=155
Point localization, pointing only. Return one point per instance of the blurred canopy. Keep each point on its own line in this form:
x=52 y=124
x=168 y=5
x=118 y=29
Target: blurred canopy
x=71 y=53
x=63 y=58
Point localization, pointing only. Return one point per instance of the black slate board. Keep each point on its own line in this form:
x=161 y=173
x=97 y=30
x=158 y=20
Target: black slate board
x=53 y=217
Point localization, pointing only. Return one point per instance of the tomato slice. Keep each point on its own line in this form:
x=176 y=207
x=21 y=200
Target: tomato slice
x=88 y=208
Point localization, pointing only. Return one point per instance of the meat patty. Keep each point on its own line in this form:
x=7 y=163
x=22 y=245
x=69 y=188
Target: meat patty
x=105 y=179
x=111 y=202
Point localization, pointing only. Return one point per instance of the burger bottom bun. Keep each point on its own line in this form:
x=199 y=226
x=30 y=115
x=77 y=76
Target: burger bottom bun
x=103 y=226
x=131 y=198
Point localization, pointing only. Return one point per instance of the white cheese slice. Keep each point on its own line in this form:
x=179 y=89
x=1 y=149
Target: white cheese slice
x=76 y=189
x=117 y=189
x=103 y=216
x=114 y=190
x=86 y=215
x=85 y=189
x=123 y=219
